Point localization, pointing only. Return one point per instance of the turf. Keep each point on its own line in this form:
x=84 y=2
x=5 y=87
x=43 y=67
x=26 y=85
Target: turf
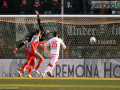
x=59 y=84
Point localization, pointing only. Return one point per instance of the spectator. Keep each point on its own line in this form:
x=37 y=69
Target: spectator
x=30 y=4
x=56 y=7
x=47 y=6
x=23 y=7
x=5 y=8
x=68 y=9
x=8 y=1
x=65 y=2
x=38 y=7
x=15 y=6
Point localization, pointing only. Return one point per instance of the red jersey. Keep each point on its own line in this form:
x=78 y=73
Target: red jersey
x=34 y=42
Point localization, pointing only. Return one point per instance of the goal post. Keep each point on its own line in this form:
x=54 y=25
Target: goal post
x=75 y=30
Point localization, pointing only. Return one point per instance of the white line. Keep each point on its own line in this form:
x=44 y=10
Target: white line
x=68 y=86
x=62 y=78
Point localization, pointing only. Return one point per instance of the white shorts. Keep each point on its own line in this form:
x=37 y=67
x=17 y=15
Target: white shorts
x=54 y=59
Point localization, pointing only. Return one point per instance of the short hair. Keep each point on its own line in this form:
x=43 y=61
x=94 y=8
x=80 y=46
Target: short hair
x=55 y=34
x=38 y=31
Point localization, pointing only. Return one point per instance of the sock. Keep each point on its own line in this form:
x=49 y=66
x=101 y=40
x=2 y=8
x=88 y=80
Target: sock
x=22 y=44
x=47 y=69
x=30 y=67
x=39 y=63
x=30 y=70
x=25 y=64
x=52 y=68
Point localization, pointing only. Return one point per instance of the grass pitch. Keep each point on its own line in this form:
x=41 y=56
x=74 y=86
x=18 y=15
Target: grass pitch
x=14 y=83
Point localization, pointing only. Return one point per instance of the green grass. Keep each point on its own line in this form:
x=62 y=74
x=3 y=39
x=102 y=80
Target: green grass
x=60 y=83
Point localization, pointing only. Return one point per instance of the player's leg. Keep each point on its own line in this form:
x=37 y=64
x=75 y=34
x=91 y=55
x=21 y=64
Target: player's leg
x=51 y=64
x=19 y=46
x=26 y=63
x=39 y=56
x=23 y=67
x=27 y=39
x=32 y=66
x=30 y=70
x=50 y=71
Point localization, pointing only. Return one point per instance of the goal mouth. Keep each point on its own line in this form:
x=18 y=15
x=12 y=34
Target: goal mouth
x=73 y=29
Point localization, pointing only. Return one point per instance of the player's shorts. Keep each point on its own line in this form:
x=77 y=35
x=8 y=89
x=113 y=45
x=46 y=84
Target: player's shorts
x=28 y=38
x=31 y=54
x=54 y=59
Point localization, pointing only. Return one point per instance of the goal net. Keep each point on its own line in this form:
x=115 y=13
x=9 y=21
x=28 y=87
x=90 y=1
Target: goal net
x=74 y=30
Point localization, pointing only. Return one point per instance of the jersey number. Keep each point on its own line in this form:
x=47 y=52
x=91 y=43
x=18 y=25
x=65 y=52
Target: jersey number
x=54 y=44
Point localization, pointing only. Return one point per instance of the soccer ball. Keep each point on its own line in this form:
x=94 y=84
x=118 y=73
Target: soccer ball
x=92 y=39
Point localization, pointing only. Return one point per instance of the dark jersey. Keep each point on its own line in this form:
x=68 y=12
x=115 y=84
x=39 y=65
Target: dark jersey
x=41 y=38
x=29 y=38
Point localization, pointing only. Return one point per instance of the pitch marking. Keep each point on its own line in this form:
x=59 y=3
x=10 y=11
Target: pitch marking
x=67 y=86
x=59 y=78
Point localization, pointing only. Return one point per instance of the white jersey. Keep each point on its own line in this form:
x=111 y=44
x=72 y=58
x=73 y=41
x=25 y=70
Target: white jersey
x=55 y=45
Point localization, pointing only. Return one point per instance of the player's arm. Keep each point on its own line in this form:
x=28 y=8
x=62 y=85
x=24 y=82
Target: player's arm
x=47 y=44
x=38 y=19
x=41 y=46
x=63 y=45
x=43 y=42
x=39 y=23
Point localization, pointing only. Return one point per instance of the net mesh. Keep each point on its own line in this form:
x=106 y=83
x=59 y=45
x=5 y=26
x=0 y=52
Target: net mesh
x=75 y=31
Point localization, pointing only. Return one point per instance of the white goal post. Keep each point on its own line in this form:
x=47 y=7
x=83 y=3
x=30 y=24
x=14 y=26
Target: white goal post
x=60 y=15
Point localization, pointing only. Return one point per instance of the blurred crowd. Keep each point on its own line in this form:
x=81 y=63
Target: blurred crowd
x=30 y=6
x=51 y=7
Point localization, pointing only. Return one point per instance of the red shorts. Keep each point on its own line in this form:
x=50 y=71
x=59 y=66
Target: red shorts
x=31 y=54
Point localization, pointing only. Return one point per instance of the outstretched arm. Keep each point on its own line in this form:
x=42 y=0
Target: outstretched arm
x=39 y=23
x=41 y=46
x=43 y=42
x=40 y=27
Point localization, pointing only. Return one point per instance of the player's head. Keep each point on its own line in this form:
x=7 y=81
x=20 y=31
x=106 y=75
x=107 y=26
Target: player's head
x=38 y=32
x=47 y=32
x=55 y=34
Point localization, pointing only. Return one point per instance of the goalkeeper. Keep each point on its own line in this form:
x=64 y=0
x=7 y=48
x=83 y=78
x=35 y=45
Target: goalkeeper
x=28 y=38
